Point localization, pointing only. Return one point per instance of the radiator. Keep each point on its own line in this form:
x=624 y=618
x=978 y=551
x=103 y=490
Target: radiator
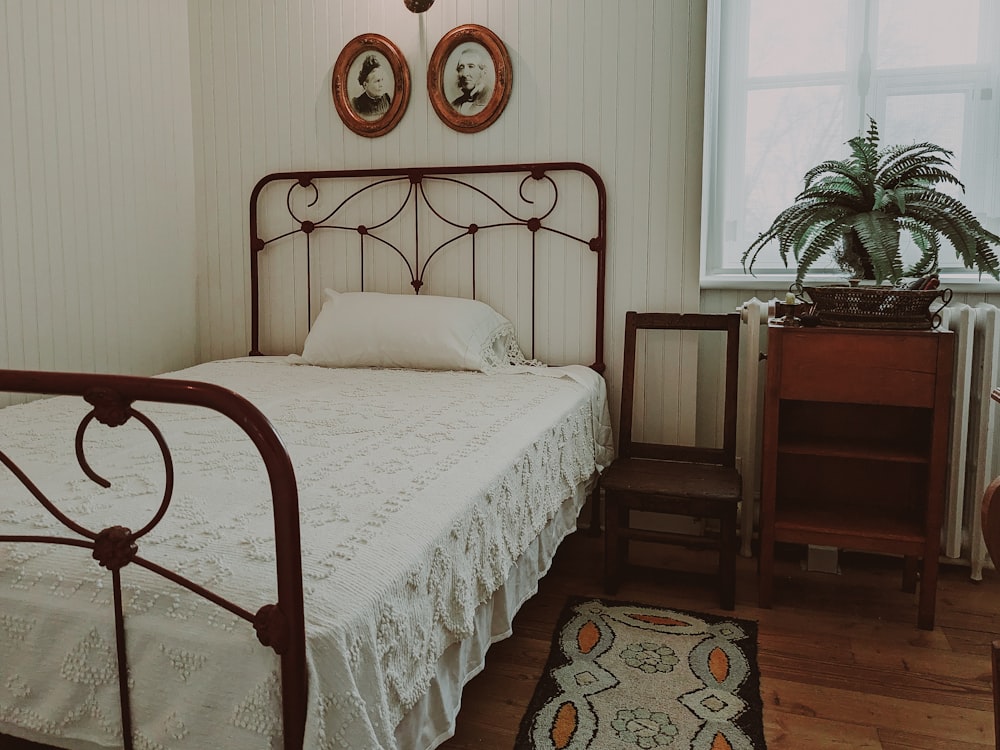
x=974 y=454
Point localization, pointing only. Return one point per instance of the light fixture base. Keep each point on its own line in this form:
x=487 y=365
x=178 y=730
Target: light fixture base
x=418 y=6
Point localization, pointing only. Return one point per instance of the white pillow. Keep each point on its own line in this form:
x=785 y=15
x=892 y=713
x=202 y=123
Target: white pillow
x=369 y=329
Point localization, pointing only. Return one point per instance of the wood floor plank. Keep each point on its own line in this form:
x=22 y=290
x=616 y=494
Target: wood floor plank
x=909 y=741
x=786 y=731
x=916 y=685
x=865 y=708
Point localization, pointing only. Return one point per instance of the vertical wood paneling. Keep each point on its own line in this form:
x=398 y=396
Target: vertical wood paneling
x=96 y=206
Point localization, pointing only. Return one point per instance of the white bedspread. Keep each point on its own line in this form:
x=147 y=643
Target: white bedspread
x=418 y=491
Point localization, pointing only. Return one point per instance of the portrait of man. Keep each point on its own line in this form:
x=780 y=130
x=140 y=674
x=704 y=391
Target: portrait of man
x=469 y=78
x=474 y=78
x=375 y=80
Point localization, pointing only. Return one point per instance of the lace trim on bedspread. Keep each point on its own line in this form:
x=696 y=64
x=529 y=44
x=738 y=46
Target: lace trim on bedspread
x=501 y=351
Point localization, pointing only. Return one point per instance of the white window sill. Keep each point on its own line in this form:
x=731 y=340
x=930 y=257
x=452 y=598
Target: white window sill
x=964 y=283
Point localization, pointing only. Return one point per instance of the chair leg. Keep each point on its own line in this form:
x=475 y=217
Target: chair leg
x=727 y=557
x=611 y=542
x=910 y=573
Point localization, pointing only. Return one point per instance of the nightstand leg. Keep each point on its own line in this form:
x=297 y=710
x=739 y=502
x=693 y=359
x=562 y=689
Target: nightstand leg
x=928 y=591
x=765 y=568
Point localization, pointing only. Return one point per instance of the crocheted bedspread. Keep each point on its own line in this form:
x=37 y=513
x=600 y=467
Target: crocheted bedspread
x=418 y=491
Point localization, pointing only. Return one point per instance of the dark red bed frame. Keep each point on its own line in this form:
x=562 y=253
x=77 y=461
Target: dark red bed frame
x=280 y=625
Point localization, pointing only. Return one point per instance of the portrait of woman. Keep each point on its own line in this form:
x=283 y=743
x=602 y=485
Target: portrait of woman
x=371 y=85
x=375 y=79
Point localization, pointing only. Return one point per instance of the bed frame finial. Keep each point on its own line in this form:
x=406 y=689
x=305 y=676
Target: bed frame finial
x=114 y=547
x=272 y=628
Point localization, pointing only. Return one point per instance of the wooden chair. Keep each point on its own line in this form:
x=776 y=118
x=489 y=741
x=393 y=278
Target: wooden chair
x=991 y=533
x=678 y=479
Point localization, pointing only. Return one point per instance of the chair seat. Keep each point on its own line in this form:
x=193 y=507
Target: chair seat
x=673 y=479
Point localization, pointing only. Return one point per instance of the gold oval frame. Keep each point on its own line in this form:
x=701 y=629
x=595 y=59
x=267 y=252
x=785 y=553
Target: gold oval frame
x=443 y=93
x=347 y=62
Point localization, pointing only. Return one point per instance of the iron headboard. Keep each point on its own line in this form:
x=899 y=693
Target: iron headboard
x=399 y=228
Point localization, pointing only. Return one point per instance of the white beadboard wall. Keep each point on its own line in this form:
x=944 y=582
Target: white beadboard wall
x=618 y=85
x=97 y=204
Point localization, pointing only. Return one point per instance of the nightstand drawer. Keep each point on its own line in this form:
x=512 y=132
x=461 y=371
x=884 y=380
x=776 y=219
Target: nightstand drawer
x=852 y=367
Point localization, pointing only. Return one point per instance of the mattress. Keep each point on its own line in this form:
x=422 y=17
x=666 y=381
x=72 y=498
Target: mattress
x=428 y=501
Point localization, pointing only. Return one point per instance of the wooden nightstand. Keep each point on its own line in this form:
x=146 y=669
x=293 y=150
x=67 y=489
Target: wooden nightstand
x=855 y=446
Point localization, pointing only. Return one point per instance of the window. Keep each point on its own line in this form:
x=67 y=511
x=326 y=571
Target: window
x=789 y=82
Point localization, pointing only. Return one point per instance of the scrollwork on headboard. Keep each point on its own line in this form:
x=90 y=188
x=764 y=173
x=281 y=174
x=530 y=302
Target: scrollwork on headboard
x=488 y=232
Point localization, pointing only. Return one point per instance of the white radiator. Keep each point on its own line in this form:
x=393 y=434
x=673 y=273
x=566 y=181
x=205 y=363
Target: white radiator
x=974 y=458
x=975 y=453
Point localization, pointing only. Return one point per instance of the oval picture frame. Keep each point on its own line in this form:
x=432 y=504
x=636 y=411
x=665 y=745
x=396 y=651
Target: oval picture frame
x=466 y=99
x=359 y=95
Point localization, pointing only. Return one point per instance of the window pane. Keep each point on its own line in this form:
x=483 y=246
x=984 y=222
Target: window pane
x=927 y=33
x=796 y=37
x=935 y=118
x=787 y=131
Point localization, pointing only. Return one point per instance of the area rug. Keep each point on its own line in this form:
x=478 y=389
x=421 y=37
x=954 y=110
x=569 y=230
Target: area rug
x=626 y=675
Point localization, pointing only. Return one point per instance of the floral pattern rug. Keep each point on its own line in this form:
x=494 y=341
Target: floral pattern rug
x=625 y=676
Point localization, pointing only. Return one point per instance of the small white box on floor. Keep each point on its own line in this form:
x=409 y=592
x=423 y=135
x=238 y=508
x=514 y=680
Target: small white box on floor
x=822 y=559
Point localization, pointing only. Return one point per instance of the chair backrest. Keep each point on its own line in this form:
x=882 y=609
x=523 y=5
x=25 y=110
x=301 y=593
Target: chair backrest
x=729 y=324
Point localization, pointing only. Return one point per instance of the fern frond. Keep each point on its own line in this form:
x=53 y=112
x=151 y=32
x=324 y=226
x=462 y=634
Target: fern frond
x=799 y=233
x=866 y=156
x=923 y=174
x=929 y=153
x=834 y=190
x=872 y=136
x=834 y=166
x=986 y=259
x=930 y=202
x=949 y=227
x=821 y=244
x=879 y=234
x=929 y=246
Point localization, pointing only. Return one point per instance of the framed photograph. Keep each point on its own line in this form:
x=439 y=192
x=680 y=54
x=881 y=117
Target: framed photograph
x=469 y=78
x=371 y=85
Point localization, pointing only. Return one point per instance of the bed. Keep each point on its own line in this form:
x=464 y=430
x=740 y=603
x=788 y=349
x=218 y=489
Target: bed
x=372 y=492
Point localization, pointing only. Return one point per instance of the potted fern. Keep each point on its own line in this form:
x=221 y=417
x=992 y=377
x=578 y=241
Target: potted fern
x=855 y=209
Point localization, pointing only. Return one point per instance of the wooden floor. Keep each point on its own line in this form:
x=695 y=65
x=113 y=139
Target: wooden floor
x=842 y=662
